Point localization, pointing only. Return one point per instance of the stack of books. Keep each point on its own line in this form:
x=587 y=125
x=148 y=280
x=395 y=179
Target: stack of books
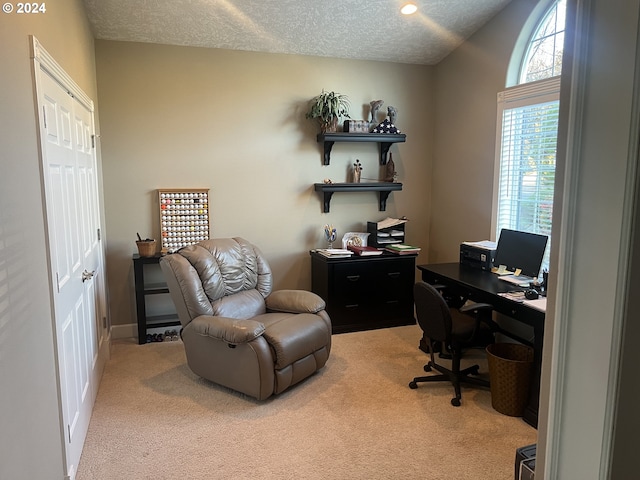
x=334 y=252
x=364 y=251
x=402 y=249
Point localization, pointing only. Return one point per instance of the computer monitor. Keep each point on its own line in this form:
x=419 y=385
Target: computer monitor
x=521 y=250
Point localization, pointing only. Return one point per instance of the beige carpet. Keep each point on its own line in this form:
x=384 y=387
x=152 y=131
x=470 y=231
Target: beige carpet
x=355 y=419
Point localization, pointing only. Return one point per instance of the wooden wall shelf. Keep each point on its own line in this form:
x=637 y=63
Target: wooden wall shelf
x=384 y=189
x=385 y=141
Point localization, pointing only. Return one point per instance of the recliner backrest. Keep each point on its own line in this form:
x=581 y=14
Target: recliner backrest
x=432 y=312
x=221 y=277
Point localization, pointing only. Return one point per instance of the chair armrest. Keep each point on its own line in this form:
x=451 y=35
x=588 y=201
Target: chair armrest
x=230 y=330
x=294 y=301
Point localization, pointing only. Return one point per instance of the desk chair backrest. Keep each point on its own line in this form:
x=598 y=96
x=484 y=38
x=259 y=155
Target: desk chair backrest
x=432 y=312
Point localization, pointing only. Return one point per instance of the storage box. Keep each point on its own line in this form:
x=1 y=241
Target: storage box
x=528 y=469
x=384 y=237
x=356 y=126
x=525 y=462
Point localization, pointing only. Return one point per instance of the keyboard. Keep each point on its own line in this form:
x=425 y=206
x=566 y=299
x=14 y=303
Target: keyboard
x=519 y=280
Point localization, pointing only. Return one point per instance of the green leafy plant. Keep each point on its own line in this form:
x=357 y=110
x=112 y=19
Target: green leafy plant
x=328 y=107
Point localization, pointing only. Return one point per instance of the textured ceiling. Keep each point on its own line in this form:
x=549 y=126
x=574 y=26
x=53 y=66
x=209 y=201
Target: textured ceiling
x=358 y=29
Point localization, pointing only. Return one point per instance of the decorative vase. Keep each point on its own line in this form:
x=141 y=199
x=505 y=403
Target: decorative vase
x=357 y=171
x=330 y=235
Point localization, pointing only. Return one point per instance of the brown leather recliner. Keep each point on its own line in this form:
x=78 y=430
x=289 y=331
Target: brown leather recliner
x=236 y=332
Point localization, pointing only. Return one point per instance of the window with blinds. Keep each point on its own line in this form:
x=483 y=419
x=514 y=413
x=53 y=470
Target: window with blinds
x=526 y=157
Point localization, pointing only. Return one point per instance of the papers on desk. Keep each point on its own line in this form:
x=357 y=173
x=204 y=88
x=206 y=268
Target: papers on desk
x=484 y=244
x=515 y=296
x=334 y=252
x=539 y=303
x=519 y=280
x=391 y=222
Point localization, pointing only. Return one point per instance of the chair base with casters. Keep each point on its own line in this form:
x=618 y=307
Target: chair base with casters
x=456 y=376
x=457 y=328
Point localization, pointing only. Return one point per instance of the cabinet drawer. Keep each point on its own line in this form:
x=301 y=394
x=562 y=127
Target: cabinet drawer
x=351 y=289
x=352 y=275
x=394 y=283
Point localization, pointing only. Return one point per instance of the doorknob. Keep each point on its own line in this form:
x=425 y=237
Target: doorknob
x=87 y=275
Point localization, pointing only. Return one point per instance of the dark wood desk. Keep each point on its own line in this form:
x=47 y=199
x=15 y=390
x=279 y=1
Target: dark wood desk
x=481 y=286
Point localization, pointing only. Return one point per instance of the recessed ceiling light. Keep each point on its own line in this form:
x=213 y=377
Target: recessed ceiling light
x=409 y=9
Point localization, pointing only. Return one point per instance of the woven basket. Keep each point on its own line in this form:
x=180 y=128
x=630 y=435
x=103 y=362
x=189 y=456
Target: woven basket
x=146 y=248
x=510 y=366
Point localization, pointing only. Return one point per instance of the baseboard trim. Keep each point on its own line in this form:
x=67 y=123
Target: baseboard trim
x=129 y=330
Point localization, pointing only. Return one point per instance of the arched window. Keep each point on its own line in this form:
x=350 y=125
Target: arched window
x=543 y=57
x=526 y=133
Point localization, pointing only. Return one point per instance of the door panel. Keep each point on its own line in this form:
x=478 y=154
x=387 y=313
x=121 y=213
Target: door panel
x=70 y=180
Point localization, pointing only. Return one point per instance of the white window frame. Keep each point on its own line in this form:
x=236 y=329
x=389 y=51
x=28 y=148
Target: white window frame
x=528 y=94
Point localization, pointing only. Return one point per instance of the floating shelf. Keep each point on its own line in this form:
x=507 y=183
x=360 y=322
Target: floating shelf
x=384 y=189
x=384 y=139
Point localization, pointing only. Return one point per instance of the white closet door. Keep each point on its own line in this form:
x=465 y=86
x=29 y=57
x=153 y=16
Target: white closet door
x=69 y=171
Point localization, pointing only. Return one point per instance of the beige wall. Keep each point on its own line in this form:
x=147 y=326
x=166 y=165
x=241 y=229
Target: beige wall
x=466 y=85
x=233 y=122
x=30 y=442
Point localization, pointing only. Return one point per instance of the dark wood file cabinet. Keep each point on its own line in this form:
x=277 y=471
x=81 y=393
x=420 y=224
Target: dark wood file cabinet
x=364 y=293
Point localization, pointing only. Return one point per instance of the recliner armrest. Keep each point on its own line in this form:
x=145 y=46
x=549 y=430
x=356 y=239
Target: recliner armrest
x=230 y=330
x=294 y=301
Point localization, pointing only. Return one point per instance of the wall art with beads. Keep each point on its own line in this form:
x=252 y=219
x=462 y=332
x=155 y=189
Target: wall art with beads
x=184 y=217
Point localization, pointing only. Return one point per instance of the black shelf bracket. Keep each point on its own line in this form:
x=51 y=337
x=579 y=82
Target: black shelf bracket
x=384 y=150
x=382 y=201
x=327 y=152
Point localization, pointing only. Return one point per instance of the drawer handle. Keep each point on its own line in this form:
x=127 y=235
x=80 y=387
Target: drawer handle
x=353 y=305
x=394 y=274
x=353 y=278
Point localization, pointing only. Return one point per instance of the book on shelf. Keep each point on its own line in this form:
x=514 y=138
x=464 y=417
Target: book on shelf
x=334 y=252
x=402 y=249
x=364 y=251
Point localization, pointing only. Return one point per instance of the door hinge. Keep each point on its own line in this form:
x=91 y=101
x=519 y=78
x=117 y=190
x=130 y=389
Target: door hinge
x=93 y=141
x=104 y=322
x=69 y=432
x=44 y=116
x=98 y=234
x=57 y=282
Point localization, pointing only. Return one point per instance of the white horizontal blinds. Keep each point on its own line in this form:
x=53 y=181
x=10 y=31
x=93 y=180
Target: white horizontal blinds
x=527 y=139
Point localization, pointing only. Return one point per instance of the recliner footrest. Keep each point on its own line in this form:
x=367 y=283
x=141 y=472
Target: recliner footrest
x=292 y=336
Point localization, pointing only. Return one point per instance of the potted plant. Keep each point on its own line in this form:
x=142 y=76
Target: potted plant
x=328 y=107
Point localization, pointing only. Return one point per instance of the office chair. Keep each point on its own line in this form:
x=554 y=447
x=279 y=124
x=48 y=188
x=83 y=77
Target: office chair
x=455 y=327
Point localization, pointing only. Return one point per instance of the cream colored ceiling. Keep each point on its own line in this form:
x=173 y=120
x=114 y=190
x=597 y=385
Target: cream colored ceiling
x=358 y=29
